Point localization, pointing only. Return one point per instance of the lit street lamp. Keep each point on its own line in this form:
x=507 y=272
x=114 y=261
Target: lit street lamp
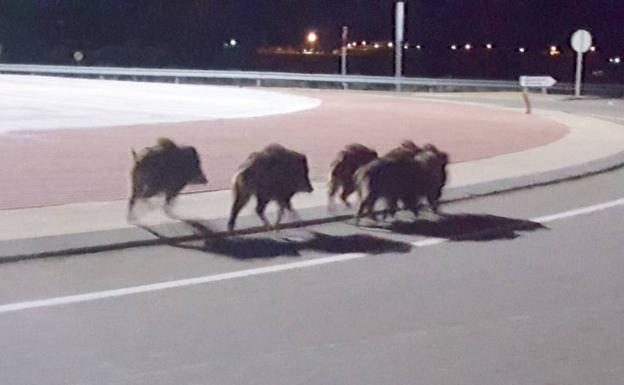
x=312 y=38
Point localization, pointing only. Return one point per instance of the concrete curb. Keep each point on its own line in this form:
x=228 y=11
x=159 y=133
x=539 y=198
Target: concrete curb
x=110 y=240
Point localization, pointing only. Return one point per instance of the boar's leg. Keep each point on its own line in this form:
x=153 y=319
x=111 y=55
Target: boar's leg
x=262 y=203
x=391 y=209
x=284 y=204
x=130 y=216
x=333 y=186
x=413 y=206
x=169 y=201
x=347 y=189
x=433 y=197
x=365 y=208
x=241 y=197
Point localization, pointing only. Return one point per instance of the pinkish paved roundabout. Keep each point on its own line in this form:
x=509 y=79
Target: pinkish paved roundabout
x=46 y=163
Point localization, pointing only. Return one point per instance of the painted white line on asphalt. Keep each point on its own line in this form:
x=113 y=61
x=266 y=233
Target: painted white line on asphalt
x=97 y=295
x=579 y=211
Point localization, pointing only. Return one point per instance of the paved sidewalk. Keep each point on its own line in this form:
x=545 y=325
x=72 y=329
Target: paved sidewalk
x=591 y=145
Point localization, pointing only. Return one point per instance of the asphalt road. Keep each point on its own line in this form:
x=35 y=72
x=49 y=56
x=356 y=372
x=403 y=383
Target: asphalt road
x=603 y=108
x=518 y=288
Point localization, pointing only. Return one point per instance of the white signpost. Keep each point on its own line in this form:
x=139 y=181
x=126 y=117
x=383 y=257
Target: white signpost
x=537 y=81
x=527 y=82
x=580 y=41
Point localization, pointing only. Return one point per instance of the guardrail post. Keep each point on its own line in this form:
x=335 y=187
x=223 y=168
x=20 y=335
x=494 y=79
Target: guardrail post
x=398 y=85
x=258 y=82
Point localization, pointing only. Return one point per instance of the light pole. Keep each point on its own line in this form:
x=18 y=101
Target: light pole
x=343 y=54
x=399 y=22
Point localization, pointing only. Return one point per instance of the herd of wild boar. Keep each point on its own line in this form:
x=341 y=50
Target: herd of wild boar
x=407 y=174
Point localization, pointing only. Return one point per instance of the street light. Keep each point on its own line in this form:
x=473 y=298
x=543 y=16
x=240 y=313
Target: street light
x=312 y=37
x=312 y=40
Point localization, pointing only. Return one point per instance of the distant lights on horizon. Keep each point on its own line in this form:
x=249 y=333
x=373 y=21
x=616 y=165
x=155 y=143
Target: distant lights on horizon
x=552 y=50
x=231 y=43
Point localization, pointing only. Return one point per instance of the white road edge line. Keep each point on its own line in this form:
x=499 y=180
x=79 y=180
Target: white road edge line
x=97 y=295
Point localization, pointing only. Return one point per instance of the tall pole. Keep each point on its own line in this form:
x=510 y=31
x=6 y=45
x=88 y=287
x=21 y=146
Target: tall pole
x=399 y=22
x=343 y=54
x=579 y=74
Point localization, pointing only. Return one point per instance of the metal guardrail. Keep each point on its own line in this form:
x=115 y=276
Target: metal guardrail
x=248 y=75
x=264 y=77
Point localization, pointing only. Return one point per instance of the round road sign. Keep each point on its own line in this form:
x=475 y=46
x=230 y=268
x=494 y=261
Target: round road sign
x=581 y=41
x=78 y=56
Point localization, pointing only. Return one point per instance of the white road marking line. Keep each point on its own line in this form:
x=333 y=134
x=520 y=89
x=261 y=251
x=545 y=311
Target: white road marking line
x=579 y=211
x=97 y=295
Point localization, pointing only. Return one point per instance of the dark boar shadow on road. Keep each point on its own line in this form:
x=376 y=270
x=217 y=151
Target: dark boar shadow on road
x=465 y=227
x=261 y=247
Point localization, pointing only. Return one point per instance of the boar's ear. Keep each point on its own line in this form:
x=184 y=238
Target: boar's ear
x=166 y=143
x=135 y=157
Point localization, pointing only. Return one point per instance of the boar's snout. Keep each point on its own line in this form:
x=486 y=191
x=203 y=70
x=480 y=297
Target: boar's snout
x=307 y=186
x=199 y=179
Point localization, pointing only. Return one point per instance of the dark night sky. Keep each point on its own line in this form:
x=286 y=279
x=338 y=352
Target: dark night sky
x=532 y=22
x=29 y=28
